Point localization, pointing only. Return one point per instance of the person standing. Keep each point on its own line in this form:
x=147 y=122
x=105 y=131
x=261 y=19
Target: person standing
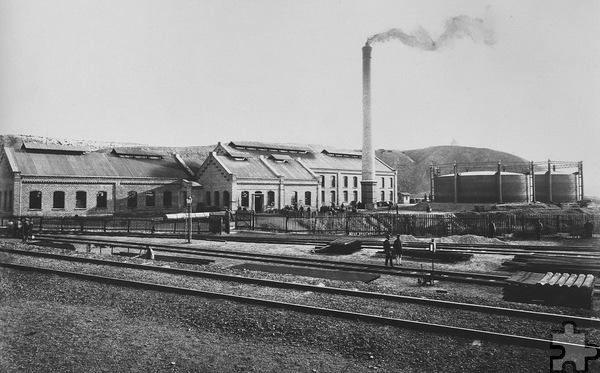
x=538 y=229
x=388 y=251
x=492 y=229
x=398 y=249
x=25 y=230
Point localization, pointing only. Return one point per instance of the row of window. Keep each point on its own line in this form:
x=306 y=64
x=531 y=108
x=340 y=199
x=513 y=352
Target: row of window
x=332 y=179
x=58 y=199
x=345 y=196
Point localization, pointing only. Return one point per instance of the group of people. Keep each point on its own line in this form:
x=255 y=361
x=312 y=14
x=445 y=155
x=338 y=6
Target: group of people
x=20 y=228
x=392 y=250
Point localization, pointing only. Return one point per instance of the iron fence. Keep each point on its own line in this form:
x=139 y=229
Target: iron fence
x=416 y=224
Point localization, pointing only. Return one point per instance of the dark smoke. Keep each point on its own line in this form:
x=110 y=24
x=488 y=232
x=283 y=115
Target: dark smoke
x=457 y=27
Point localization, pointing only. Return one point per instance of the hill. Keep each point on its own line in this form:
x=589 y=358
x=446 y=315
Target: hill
x=412 y=165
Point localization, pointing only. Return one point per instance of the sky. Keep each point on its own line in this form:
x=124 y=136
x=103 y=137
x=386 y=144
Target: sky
x=184 y=73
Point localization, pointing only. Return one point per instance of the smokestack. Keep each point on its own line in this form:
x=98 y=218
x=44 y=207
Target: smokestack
x=368 y=154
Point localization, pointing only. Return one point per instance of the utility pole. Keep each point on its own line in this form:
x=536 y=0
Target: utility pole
x=189 y=208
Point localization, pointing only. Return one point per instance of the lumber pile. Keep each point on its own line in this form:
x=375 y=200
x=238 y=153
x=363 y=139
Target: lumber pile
x=552 y=288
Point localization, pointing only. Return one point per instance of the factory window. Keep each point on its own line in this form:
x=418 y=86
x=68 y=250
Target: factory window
x=307 y=198
x=382 y=196
x=132 y=199
x=322 y=180
x=355 y=181
x=80 y=200
x=208 y=202
x=217 y=198
x=101 y=200
x=391 y=196
x=355 y=196
x=35 y=200
x=245 y=199
x=345 y=181
x=58 y=200
x=167 y=198
x=271 y=198
x=346 y=196
x=226 y=198
x=150 y=198
x=333 y=197
x=333 y=181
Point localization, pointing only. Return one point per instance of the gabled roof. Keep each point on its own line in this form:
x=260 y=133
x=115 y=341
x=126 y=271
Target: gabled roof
x=315 y=158
x=92 y=165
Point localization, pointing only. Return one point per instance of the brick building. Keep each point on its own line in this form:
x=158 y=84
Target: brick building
x=261 y=176
x=51 y=180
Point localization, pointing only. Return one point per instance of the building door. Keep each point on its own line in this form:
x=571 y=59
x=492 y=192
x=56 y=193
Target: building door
x=259 y=202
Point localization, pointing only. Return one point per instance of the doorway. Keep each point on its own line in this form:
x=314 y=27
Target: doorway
x=259 y=202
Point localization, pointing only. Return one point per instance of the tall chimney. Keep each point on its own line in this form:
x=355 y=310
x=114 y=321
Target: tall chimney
x=368 y=154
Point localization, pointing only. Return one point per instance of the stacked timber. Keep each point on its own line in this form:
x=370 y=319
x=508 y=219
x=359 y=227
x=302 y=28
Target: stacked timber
x=544 y=264
x=342 y=245
x=553 y=288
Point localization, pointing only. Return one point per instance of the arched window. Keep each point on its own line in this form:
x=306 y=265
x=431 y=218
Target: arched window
x=271 y=198
x=383 y=182
x=333 y=181
x=294 y=199
x=208 y=201
x=150 y=198
x=58 y=200
x=345 y=181
x=322 y=180
x=80 y=199
x=35 y=200
x=333 y=197
x=382 y=196
x=391 y=196
x=226 y=199
x=355 y=181
x=355 y=196
x=307 y=198
x=132 y=199
x=345 y=196
x=217 y=198
x=391 y=182
x=167 y=198
x=101 y=200
x=245 y=199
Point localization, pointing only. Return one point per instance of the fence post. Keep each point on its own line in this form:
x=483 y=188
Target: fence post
x=128 y=224
x=287 y=218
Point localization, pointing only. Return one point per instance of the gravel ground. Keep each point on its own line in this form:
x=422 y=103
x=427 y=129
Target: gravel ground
x=59 y=324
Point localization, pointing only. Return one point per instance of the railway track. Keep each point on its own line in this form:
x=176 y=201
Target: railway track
x=465 y=277
x=502 y=338
x=540 y=316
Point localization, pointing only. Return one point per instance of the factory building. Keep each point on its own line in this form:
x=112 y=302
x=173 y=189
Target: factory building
x=263 y=176
x=53 y=180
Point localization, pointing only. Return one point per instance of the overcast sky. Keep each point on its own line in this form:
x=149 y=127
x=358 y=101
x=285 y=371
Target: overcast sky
x=180 y=73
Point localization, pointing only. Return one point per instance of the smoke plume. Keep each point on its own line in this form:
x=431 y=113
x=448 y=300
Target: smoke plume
x=457 y=27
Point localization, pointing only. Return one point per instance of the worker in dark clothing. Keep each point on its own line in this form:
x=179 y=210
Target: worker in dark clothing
x=26 y=229
x=538 y=229
x=149 y=253
x=398 y=249
x=588 y=228
x=388 y=252
x=492 y=229
x=10 y=229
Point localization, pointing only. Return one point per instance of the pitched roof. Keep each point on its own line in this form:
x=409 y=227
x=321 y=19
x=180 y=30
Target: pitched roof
x=92 y=165
x=327 y=159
